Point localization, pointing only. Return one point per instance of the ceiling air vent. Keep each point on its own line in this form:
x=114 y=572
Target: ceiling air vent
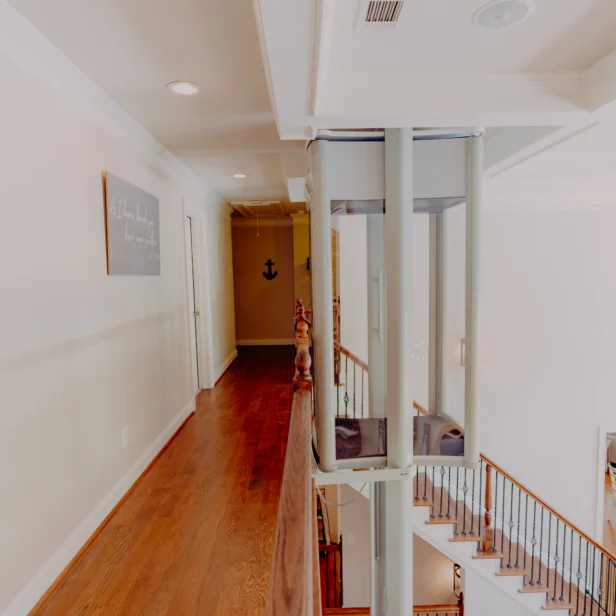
x=382 y=12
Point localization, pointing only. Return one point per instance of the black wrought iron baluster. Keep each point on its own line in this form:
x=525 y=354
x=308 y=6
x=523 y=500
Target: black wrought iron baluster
x=540 y=546
x=362 y=393
x=337 y=397
x=533 y=542
x=547 y=573
x=600 y=589
x=510 y=524
x=354 y=388
x=472 y=531
x=592 y=584
x=433 y=482
x=562 y=573
x=442 y=472
x=417 y=484
x=517 y=547
x=608 y=595
x=525 y=538
x=495 y=510
x=346 y=386
x=464 y=491
x=503 y=524
x=556 y=560
x=449 y=492
x=578 y=576
x=456 y=531
x=586 y=578
x=425 y=494
x=480 y=504
x=571 y=566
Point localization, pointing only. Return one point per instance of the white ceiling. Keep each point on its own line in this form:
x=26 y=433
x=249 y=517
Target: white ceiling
x=132 y=49
x=439 y=36
x=435 y=67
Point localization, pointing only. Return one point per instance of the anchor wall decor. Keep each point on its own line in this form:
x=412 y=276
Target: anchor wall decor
x=269 y=275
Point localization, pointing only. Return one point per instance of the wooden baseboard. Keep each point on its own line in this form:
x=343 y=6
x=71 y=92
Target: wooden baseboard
x=66 y=571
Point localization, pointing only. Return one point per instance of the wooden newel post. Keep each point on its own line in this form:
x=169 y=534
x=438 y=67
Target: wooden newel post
x=303 y=361
x=487 y=541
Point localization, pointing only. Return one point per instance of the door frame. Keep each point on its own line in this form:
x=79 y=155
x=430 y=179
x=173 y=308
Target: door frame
x=203 y=297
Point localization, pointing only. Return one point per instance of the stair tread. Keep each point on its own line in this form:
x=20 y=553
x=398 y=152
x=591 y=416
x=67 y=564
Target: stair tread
x=558 y=605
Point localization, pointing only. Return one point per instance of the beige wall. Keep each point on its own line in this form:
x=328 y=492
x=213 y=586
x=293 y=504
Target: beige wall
x=301 y=252
x=264 y=309
x=83 y=354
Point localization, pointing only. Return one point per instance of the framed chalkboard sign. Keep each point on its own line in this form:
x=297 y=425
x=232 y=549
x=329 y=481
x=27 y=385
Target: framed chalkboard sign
x=132 y=229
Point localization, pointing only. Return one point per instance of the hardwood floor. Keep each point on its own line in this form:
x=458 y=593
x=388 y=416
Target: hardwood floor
x=195 y=537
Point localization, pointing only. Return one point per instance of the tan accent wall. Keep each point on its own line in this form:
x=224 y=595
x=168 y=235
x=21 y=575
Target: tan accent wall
x=301 y=252
x=264 y=309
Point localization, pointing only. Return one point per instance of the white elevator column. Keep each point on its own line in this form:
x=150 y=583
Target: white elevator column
x=398 y=495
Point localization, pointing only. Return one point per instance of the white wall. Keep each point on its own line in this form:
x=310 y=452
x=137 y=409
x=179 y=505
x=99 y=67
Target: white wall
x=83 y=354
x=548 y=336
x=481 y=598
x=432 y=573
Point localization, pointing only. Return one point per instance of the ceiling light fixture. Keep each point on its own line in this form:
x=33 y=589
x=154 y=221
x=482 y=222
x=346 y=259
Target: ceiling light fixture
x=500 y=14
x=184 y=88
x=240 y=176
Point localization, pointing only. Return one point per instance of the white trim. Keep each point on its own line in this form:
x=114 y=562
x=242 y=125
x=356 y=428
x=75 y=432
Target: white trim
x=265 y=57
x=27 y=48
x=223 y=368
x=267 y=342
x=49 y=572
x=282 y=221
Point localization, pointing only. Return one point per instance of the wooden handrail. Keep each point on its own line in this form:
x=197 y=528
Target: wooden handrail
x=344 y=351
x=294 y=586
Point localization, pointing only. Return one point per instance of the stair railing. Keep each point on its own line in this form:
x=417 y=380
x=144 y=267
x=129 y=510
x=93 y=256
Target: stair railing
x=529 y=538
x=509 y=522
x=294 y=586
x=351 y=384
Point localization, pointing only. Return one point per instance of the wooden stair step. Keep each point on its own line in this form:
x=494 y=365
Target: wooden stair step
x=558 y=605
x=488 y=556
x=443 y=520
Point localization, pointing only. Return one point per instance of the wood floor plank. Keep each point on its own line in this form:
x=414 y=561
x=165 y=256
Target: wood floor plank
x=196 y=534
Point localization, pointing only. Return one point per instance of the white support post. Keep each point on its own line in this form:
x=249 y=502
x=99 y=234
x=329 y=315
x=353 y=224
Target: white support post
x=474 y=182
x=437 y=313
x=322 y=308
x=398 y=497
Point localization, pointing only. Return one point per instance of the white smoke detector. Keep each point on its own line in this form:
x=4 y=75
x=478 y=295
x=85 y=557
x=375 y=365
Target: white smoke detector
x=500 y=14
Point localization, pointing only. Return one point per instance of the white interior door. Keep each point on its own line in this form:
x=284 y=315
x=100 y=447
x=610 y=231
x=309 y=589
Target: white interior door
x=193 y=311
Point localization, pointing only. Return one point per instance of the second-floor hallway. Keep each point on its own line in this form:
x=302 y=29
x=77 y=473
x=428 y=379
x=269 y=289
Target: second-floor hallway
x=195 y=535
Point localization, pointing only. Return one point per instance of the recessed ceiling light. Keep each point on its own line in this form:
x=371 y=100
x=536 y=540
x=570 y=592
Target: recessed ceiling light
x=240 y=176
x=500 y=14
x=185 y=88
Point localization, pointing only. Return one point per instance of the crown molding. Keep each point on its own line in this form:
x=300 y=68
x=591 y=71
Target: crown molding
x=23 y=45
x=285 y=221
